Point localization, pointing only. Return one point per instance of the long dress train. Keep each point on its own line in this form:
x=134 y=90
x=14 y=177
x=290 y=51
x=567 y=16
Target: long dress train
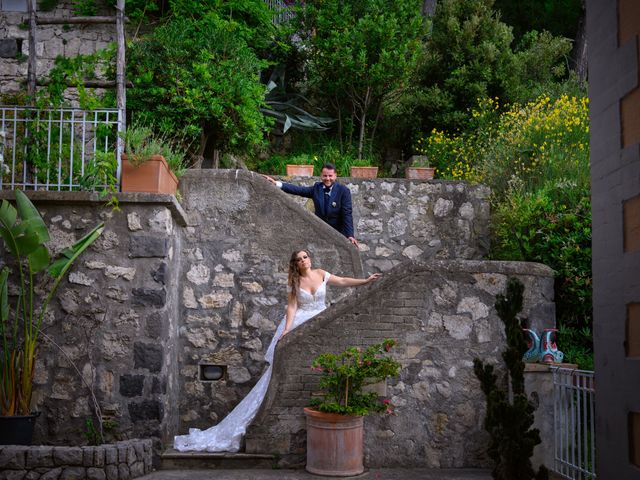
x=227 y=435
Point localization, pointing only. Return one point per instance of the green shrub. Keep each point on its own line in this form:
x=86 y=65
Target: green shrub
x=553 y=226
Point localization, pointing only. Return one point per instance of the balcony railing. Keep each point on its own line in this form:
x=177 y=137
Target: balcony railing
x=58 y=149
x=574 y=421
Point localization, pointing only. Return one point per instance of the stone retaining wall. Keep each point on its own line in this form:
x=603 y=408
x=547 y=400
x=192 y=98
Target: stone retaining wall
x=51 y=41
x=397 y=220
x=120 y=461
x=442 y=315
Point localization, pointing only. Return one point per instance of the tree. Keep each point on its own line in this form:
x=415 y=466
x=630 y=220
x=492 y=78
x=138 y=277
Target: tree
x=360 y=54
x=468 y=57
x=509 y=412
x=198 y=77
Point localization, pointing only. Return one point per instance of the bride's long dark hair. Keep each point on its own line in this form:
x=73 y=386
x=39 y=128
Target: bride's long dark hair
x=294 y=271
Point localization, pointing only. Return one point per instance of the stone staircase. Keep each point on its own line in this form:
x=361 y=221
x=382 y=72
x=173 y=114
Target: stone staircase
x=173 y=460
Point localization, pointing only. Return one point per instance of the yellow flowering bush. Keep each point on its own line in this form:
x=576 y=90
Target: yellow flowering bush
x=542 y=140
x=535 y=159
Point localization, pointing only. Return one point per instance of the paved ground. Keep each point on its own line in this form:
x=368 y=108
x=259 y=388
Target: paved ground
x=282 y=474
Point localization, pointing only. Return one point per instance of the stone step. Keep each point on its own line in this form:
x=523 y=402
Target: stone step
x=173 y=460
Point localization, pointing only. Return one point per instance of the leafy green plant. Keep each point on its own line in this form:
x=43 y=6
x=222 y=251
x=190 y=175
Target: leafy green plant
x=553 y=226
x=21 y=323
x=197 y=78
x=509 y=412
x=141 y=142
x=344 y=376
x=100 y=175
x=93 y=434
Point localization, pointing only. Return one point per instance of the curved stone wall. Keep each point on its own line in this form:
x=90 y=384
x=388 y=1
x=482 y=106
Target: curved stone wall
x=442 y=315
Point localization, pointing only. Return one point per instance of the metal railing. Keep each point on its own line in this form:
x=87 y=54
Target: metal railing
x=58 y=149
x=574 y=422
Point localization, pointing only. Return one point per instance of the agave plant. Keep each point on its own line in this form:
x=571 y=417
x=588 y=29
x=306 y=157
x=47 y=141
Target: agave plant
x=20 y=323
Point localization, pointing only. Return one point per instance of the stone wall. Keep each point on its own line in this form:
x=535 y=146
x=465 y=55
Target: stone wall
x=235 y=259
x=114 y=317
x=169 y=288
x=442 y=315
x=51 y=41
x=397 y=219
x=120 y=461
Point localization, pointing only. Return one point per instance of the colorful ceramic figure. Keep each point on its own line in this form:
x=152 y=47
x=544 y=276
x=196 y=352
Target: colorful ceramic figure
x=533 y=342
x=549 y=352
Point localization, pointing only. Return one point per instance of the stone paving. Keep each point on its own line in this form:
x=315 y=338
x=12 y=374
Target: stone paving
x=277 y=474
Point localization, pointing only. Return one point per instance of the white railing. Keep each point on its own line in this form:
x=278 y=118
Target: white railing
x=574 y=422
x=58 y=149
x=283 y=13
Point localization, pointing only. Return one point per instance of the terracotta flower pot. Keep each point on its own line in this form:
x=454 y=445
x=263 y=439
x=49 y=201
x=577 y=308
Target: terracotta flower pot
x=334 y=444
x=153 y=176
x=419 y=173
x=364 y=172
x=300 y=170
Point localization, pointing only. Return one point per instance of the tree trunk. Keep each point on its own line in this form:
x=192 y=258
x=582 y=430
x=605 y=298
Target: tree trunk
x=579 y=54
x=429 y=8
x=363 y=121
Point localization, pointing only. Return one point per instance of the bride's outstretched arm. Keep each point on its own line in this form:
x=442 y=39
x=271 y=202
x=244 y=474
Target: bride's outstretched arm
x=292 y=306
x=352 y=282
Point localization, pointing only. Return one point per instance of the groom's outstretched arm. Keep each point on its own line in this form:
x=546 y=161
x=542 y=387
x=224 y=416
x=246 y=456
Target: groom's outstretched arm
x=290 y=188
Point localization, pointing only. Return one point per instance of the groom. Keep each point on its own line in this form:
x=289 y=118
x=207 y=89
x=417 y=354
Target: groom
x=331 y=200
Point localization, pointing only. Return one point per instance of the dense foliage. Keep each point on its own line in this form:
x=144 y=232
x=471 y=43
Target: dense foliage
x=535 y=158
x=469 y=55
x=199 y=79
x=360 y=55
x=345 y=375
x=509 y=412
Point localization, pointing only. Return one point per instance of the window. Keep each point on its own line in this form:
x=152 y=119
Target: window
x=13 y=5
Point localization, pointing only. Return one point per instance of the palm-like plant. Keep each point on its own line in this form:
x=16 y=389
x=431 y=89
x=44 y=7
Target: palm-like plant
x=20 y=329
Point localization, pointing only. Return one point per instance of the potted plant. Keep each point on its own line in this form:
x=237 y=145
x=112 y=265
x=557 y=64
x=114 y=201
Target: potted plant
x=418 y=168
x=335 y=418
x=363 y=168
x=151 y=163
x=21 y=320
x=300 y=166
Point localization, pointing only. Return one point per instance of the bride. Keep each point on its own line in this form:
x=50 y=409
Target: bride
x=307 y=290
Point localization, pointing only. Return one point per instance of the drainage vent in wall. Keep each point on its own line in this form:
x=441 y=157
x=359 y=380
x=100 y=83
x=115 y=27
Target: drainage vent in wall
x=211 y=373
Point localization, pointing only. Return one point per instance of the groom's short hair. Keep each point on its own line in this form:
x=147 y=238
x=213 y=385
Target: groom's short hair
x=329 y=166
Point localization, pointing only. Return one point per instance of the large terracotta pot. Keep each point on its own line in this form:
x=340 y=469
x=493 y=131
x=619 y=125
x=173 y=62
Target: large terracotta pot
x=364 y=172
x=299 y=170
x=153 y=176
x=334 y=444
x=419 y=173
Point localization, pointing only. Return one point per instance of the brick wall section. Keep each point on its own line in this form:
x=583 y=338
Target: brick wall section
x=120 y=461
x=442 y=315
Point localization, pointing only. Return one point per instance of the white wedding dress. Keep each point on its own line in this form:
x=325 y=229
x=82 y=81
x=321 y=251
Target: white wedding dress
x=227 y=435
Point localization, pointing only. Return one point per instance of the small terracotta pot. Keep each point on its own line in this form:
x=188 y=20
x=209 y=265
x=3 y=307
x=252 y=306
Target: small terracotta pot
x=299 y=170
x=153 y=176
x=364 y=172
x=419 y=173
x=335 y=444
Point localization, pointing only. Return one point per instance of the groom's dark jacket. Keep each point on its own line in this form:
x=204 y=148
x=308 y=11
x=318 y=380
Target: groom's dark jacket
x=336 y=211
